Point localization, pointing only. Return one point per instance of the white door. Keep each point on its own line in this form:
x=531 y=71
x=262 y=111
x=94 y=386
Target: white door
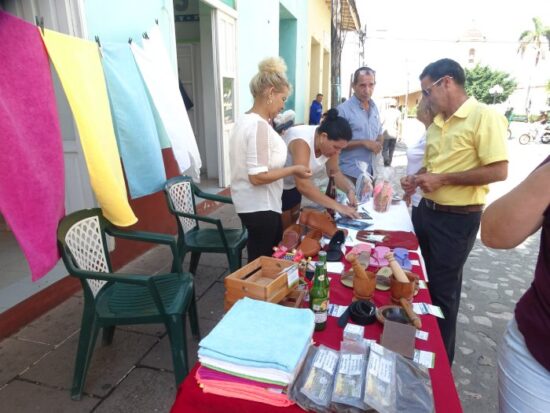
x=226 y=48
x=189 y=73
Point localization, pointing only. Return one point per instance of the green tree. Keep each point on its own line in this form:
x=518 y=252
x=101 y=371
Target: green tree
x=481 y=79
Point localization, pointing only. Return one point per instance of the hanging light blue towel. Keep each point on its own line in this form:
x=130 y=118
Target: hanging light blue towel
x=260 y=334
x=133 y=121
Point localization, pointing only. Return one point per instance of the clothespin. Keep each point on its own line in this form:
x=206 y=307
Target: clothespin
x=129 y=40
x=98 y=45
x=145 y=35
x=157 y=21
x=40 y=23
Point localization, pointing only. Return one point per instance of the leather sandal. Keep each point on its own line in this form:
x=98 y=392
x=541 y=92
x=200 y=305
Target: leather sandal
x=320 y=220
x=334 y=249
x=311 y=245
x=291 y=237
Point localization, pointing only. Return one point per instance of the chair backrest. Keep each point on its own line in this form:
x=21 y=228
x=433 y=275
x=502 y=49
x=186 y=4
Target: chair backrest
x=180 y=195
x=83 y=244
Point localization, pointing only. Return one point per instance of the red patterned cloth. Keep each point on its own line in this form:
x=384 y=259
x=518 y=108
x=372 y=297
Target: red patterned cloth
x=191 y=399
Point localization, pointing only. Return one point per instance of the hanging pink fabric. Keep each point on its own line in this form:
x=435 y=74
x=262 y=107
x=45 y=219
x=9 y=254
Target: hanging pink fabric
x=32 y=182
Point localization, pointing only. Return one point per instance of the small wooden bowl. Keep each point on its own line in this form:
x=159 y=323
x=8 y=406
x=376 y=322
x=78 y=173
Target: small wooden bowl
x=393 y=313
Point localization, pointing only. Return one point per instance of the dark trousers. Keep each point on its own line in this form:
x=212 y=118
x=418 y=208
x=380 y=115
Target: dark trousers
x=387 y=150
x=446 y=240
x=265 y=231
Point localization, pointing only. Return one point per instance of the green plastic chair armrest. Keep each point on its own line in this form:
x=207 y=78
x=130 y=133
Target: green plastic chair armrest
x=214 y=221
x=212 y=197
x=153 y=237
x=137 y=279
x=145 y=236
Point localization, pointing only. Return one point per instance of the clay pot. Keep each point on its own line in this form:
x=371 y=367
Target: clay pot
x=406 y=290
x=363 y=288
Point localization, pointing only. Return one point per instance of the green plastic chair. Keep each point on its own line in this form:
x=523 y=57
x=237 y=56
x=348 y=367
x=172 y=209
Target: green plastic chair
x=112 y=299
x=180 y=194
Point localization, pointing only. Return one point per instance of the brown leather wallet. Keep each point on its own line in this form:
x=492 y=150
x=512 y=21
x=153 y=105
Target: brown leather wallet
x=455 y=209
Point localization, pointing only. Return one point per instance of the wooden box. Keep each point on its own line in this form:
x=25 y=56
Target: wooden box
x=263 y=279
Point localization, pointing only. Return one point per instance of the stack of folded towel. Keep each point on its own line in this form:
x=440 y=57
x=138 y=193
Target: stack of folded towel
x=255 y=351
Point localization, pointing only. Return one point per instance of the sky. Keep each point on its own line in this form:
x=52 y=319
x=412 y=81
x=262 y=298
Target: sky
x=404 y=36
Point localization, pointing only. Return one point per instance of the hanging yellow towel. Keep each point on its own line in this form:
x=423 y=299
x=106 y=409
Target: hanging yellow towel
x=78 y=65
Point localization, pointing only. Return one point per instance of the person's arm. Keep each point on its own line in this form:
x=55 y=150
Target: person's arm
x=482 y=175
x=509 y=220
x=275 y=174
x=373 y=146
x=258 y=158
x=342 y=183
x=300 y=156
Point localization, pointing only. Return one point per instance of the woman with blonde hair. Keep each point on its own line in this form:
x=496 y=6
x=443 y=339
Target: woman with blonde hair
x=257 y=158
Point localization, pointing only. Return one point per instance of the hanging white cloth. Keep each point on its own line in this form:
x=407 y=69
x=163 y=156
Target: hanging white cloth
x=161 y=81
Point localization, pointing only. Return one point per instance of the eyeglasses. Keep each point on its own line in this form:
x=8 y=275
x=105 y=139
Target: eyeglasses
x=426 y=92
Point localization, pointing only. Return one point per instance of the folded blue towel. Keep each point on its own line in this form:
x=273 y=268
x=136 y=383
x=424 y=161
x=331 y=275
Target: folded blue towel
x=260 y=334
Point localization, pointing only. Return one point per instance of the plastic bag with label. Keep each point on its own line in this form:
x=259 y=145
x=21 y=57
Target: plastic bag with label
x=383 y=190
x=363 y=185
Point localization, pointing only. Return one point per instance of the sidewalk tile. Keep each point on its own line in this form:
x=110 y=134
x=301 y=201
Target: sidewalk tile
x=144 y=390
x=56 y=325
x=108 y=366
x=21 y=397
x=18 y=355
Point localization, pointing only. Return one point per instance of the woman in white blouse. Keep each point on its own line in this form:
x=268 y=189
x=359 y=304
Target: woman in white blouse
x=257 y=156
x=415 y=157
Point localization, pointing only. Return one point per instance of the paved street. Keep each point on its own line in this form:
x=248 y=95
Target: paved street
x=135 y=374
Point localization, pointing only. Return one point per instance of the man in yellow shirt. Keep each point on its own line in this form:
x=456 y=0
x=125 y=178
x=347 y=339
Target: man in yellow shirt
x=465 y=151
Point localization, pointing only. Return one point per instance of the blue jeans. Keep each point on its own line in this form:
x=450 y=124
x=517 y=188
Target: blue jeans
x=523 y=383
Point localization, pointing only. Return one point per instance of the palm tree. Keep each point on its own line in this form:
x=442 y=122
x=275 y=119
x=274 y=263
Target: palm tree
x=534 y=39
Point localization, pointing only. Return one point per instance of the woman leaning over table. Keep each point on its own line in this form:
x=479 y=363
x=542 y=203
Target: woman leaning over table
x=524 y=354
x=317 y=148
x=257 y=156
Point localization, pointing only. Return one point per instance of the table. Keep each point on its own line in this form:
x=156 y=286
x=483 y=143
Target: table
x=190 y=397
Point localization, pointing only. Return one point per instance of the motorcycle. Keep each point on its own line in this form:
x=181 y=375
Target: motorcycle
x=541 y=132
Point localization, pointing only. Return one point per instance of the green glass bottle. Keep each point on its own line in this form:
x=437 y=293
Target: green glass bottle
x=318 y=298
x=323 y=259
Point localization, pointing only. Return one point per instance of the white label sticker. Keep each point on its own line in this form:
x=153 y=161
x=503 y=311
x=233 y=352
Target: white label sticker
x=292 y=276
x=422 y=284
x=336 y=310
x=350 y=364
x=424 y=358
x=380 y=367
x=422 y=335
x=326 y=360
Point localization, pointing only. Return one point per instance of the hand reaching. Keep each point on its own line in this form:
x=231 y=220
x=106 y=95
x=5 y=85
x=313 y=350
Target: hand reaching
x=348 y=211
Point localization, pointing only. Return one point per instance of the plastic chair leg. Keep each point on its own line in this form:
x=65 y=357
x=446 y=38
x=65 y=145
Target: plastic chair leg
x=86 y=344
x=178 y=344
x=108 y=333
x=194 y=318
x=194 y=263
x=234 y=260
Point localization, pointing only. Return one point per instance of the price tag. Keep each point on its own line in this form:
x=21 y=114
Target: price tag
x=292 y=276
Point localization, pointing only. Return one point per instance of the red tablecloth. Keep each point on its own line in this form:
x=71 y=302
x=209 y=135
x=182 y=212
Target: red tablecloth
x=190 y=397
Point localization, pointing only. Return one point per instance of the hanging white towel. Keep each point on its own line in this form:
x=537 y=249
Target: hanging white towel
x=162 y=83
